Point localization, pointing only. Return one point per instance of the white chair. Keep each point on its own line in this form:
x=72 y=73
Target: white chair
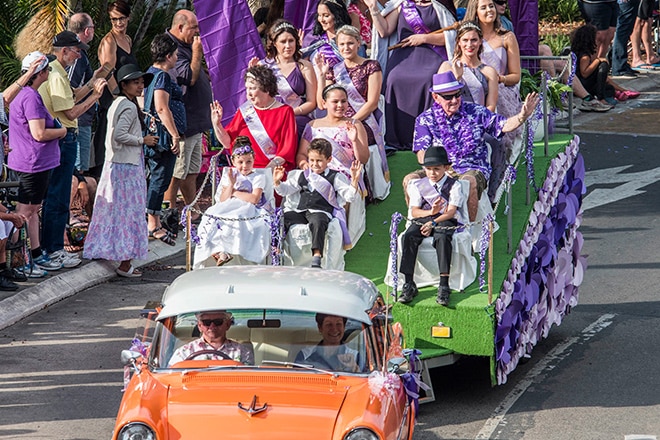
x=203 y=256
x=380 y=183
x=297 y=245
x=463 y=269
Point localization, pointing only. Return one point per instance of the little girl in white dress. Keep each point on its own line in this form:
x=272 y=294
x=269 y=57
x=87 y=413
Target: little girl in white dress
x=239 y=221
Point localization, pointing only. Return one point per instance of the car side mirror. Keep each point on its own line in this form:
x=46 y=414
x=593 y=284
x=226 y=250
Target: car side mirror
x=398 y=365
x=131 y=357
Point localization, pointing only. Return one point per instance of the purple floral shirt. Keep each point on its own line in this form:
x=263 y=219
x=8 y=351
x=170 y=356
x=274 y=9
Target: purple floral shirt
x=462 y=135
x=235 y=350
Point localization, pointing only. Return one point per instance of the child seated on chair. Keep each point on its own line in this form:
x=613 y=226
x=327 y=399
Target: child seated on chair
x=238 y=223
x=317 y=194
x=434 y=202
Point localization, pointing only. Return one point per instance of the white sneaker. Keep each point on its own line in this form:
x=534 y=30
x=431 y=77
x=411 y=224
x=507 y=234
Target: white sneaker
x=33 y=271
x=67 y=259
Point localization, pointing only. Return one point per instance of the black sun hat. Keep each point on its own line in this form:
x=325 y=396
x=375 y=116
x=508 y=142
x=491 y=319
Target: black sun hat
x=131 y=71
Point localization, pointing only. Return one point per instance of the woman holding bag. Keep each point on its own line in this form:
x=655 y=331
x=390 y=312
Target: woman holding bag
x=117 y=231
x=167 y=117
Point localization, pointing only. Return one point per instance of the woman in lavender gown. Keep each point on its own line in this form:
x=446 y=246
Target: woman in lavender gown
x=296 y=81
x=502 y=53
x=410 y=68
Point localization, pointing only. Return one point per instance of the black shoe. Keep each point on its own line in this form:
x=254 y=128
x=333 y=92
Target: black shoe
x=408 y=293
x=316 y=262
x=443 y=296
x=14 y=275
x=6 y=285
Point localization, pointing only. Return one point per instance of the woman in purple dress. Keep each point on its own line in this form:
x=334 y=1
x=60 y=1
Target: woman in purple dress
x=330 y=16
x=363 y=79
x=296 y=81
x=411 y=67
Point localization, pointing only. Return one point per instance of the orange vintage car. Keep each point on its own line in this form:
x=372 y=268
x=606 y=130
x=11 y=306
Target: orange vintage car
x=249 y=352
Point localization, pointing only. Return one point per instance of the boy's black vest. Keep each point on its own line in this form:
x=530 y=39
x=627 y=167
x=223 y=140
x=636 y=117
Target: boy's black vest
x=313 y=199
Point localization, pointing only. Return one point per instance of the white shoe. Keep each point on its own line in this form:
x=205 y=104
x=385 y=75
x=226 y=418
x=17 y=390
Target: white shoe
x=67 y=259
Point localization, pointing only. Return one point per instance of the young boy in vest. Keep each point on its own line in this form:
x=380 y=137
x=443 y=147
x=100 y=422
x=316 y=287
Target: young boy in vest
x=318 y=194
x=434 y=203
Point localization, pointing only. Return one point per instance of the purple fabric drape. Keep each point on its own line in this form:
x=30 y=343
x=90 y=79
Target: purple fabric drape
x=230 y=39
x=302 y=13
x=525 y=18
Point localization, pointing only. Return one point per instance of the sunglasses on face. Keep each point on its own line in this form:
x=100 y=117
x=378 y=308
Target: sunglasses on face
x=500 y=2
x=207 y=322
x=450 y=97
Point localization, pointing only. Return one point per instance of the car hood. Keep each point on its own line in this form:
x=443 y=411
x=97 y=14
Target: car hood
x=256 y=405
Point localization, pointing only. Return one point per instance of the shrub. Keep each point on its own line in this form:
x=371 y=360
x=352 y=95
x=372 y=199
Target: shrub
x=565 y=11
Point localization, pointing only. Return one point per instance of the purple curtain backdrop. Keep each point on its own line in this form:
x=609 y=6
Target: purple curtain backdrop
x=525 y=18
x=301 y=13
x=230 y=39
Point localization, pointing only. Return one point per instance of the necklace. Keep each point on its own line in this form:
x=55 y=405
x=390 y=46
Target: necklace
x=268 y=107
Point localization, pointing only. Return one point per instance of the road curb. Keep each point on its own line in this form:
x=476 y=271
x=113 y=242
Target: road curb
x=54 y=289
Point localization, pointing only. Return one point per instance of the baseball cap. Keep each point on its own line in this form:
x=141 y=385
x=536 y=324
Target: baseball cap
x=68 y=39
x=31 y=57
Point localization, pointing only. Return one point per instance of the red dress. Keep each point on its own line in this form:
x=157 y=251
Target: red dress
x=280 y=124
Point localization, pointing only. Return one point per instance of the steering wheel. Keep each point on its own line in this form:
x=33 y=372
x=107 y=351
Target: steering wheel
x=214 y=352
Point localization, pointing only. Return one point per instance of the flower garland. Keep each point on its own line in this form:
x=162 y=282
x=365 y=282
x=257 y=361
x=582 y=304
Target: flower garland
x=394 y=250
x=276 y=236
x=484 y=244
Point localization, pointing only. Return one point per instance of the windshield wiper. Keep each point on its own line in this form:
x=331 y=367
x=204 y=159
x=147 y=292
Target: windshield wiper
x=303 y=366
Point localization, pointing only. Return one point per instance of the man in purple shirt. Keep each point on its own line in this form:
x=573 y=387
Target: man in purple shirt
x=197 y=95
x=460 y=128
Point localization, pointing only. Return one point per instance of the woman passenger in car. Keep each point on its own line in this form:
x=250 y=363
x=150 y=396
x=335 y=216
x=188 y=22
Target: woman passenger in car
x=330 y=353
x=213 y=344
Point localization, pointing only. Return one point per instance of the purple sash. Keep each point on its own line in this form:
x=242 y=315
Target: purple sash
x=330 y=53
x=286 y=94
x=323 y=187
x=244 y=184
x=428 y=192
x=257 y=130
x=411 y=15
x=357 y=101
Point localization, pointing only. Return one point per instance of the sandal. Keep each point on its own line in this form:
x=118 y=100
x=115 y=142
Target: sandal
x=222 y=258
x=165 y=238
x=132 y=272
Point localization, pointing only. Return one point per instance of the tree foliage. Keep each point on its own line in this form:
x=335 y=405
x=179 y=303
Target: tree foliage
x=41 y=20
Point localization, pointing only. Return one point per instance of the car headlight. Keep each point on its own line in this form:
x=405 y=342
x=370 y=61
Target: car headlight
x=136 y=431
x=361 y=434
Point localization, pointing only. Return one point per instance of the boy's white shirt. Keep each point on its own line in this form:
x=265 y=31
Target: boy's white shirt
x=456 y=198
x=291 y=190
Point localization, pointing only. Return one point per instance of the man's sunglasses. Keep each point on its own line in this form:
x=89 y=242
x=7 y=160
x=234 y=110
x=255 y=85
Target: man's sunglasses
x=207 y=322
x=450 y=97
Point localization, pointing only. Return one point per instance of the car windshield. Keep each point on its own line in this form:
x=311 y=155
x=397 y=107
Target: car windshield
x=269 y=338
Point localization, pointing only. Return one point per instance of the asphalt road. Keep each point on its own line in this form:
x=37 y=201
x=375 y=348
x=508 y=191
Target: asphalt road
x=593 y=378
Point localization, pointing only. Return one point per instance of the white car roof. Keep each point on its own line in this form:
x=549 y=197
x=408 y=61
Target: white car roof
x=271 y=287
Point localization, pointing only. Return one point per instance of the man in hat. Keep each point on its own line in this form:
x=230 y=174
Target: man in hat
x=460 y=127
x=434 y=202
x=60 y=100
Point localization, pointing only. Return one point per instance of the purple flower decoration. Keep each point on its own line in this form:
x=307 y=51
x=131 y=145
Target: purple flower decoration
x=542 y=283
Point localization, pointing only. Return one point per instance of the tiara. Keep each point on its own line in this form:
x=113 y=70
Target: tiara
x=245 y=149
x=335 y=2
x=285 y=25
x=348 y=29
x=332 y=87
x=469 y=25
x=250 y=75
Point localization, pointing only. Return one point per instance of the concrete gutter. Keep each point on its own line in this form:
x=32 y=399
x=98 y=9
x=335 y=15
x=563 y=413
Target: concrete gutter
x=68 y=283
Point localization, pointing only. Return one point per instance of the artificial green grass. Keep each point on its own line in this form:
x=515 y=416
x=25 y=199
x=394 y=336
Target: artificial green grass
x=469 y=315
